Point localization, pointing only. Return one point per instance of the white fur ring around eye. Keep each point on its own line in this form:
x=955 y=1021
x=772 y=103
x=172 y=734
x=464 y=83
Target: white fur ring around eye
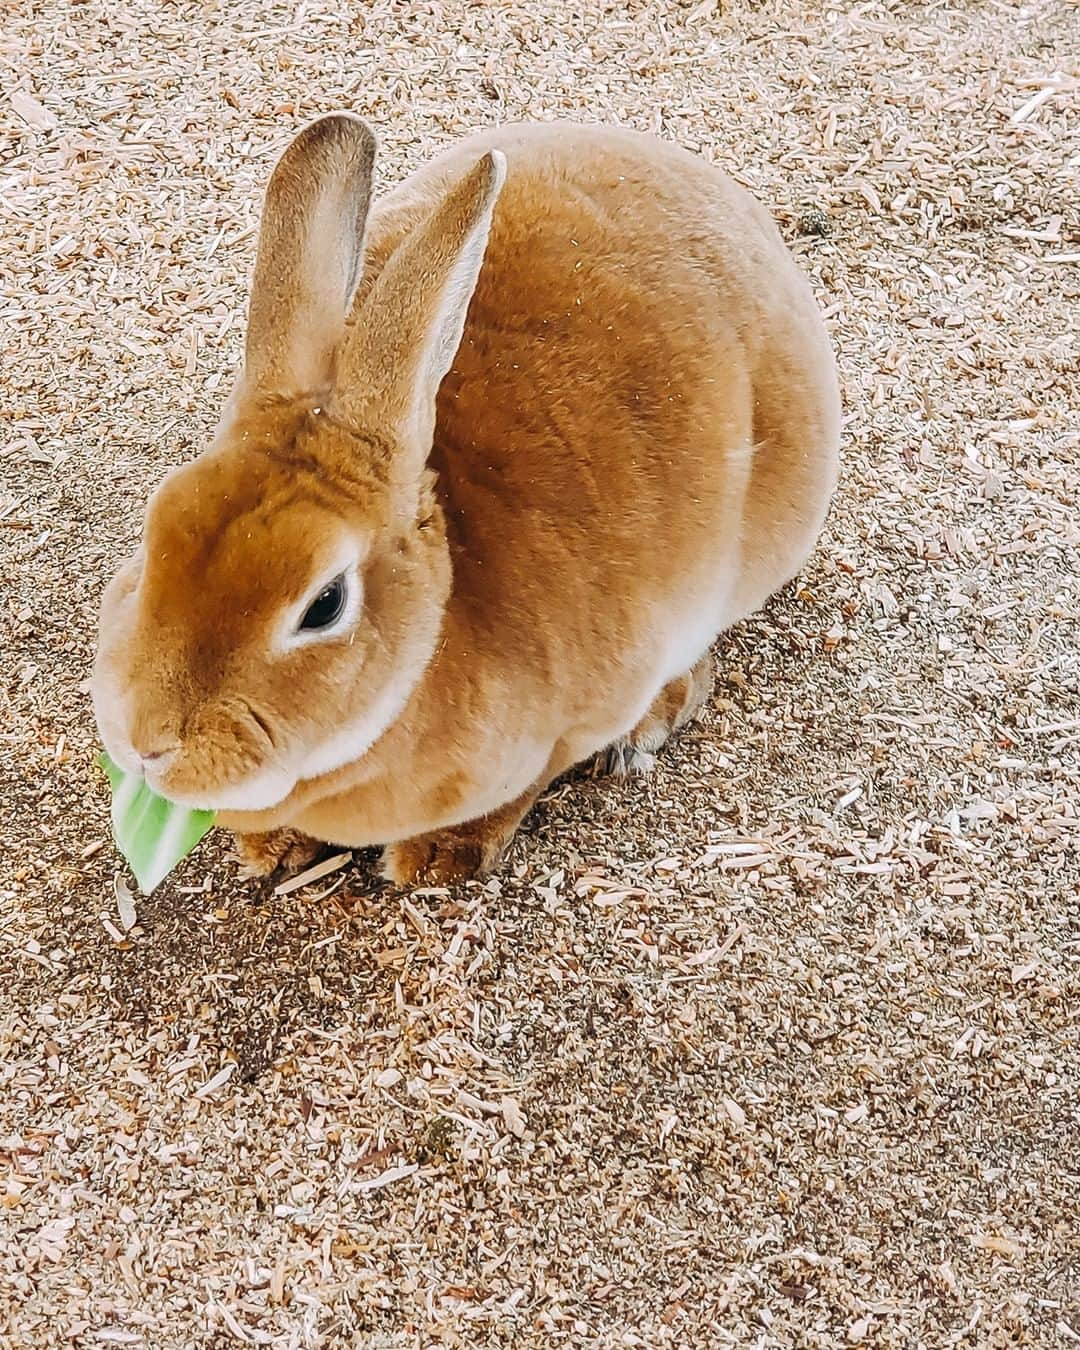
x=328 y=612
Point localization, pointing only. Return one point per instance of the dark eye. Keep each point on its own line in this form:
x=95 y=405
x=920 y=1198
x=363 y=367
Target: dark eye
x=327 y=606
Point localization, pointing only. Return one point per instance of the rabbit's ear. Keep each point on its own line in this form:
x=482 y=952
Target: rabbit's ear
x=404 y=338
x=310 y=251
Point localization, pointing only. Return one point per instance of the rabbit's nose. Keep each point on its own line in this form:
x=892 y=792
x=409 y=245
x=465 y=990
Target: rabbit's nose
x=157 y=758
x=154 y=740
x=156 y=763
x=156 y=755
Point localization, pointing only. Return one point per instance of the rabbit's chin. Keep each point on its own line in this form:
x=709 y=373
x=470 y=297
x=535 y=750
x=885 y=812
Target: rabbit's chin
x=262 y=791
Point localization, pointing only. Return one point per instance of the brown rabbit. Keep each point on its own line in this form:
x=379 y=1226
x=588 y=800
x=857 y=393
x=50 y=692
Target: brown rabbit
x=507 y=452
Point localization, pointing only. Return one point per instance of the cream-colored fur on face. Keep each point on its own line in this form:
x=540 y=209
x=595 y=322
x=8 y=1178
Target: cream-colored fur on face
x=568 y=400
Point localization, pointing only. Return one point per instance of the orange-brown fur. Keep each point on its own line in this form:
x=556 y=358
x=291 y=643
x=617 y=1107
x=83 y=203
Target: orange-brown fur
x=634 y=446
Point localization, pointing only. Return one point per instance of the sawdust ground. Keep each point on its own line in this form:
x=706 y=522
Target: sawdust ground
x=778 y=1048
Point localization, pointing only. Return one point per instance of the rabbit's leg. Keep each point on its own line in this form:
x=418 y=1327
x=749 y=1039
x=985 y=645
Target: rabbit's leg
x=676 y=704
x=460 y=853
x=284 y=850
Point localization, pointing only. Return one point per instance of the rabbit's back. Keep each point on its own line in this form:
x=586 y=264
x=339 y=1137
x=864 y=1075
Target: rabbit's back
x=639 y=429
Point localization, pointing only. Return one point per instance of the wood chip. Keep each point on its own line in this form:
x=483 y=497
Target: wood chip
x=386 y=1178
x=219 y=1080
x=125 y=904
x=32 y=112
x=512 y=1116
x=315 y=873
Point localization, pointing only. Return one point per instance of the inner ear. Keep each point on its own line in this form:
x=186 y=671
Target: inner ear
x=309 y=258
x=400 y=346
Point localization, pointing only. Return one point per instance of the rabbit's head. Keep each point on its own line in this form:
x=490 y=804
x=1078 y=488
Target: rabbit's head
x=289 y=588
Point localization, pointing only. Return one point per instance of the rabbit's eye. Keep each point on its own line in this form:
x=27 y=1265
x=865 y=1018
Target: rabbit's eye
x=326 y=608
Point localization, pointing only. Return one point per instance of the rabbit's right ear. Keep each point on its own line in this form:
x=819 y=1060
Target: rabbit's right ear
x=310 y=252
x=400 y=346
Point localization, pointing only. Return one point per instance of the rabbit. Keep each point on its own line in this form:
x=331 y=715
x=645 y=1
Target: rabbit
x=507 y=451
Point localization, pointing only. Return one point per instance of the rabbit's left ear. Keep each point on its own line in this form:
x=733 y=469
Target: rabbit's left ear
x=310 y=252
x=403 y=341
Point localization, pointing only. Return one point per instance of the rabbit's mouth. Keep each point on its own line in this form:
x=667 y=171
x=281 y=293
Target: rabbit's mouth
x=227 y=760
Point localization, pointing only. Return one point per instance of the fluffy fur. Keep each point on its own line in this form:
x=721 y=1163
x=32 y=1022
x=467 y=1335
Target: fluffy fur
x=561 y=408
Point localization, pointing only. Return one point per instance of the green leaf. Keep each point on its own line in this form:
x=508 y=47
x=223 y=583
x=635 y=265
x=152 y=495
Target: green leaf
x=153 y=834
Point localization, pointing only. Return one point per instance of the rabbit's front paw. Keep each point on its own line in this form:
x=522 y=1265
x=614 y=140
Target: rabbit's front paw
x=459 y=854
x=259 y=855
x=439 y=859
